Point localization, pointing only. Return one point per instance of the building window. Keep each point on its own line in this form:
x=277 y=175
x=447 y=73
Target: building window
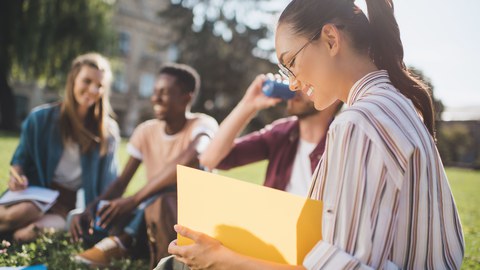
x=172 y=53
x=119 y=83
x=124 y=43
x=147 y=82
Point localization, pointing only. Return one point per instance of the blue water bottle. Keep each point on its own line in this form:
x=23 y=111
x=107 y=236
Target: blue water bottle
x=96 y=225
x=277 y=89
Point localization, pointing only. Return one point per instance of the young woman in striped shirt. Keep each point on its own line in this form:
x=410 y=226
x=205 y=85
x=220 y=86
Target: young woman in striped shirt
x=387 y=201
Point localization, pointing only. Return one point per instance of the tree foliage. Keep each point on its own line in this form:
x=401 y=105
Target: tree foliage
x=221 y=48
x=39 y=39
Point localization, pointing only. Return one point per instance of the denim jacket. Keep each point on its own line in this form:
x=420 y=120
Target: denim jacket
x=40 y=149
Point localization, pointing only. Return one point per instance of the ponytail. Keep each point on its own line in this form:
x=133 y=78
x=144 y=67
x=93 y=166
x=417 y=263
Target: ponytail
x=386 y=50
x=378 y=36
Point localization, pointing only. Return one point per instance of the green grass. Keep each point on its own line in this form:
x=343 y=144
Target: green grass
x=8 y=143
x=253 y=173
x=465 y=187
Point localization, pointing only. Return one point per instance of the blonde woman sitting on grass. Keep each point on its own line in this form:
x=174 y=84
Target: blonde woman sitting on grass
x=65 y=146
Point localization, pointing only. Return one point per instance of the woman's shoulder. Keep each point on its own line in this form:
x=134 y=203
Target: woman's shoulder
x=44 y=113
x=378 y=107
x=388 y=124
x=45 y=109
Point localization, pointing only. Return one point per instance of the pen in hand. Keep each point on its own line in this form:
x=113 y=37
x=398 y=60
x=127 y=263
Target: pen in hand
x=17 y=176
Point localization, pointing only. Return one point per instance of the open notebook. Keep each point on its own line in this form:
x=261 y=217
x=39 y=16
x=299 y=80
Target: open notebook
x=43 y=198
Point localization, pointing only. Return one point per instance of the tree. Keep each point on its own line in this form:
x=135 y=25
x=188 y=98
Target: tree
x=453 y=141
x=221 y=48
x=39 y=39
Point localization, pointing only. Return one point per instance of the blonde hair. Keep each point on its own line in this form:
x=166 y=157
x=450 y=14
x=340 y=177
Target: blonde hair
x=93 y=130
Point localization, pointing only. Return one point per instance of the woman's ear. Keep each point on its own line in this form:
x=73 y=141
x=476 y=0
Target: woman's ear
x=332 y=38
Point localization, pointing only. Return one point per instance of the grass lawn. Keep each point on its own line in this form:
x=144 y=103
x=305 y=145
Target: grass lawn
x=465 y=186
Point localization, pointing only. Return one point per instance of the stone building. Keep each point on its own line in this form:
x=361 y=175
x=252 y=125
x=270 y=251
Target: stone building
x=145 y=43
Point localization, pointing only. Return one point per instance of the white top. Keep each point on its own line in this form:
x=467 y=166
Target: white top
x=68 y=173
x=301 y=176
x=387 y=201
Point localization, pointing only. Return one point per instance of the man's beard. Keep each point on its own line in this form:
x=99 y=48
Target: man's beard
x=306 y=113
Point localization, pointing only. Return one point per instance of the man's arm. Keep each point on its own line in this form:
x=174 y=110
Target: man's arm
x=115 y=190
x=223 y=141
x=247 y=149
x=118 y=187
x=253 y=101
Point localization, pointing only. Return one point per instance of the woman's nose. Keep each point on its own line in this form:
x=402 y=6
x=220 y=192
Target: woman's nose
x=94 y=89
x=294 y=84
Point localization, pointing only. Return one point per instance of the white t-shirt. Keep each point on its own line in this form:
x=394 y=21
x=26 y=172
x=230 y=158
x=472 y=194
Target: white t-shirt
x=150 y=144
x=207 y=125
x=202 y=143
x=68 y=173
x=301 y=171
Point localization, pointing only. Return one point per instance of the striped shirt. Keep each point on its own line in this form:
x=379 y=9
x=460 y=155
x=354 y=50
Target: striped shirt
x=387 y=201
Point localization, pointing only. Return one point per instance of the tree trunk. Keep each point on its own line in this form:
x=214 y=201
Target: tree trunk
x=7 y=100
x=7 y=105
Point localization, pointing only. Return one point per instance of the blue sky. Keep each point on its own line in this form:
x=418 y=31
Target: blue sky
x=442 y=38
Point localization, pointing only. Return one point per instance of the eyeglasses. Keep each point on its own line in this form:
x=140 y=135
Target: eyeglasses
x=284 y=70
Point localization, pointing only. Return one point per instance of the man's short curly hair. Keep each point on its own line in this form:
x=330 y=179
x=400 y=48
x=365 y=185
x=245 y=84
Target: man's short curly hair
x=187 y=77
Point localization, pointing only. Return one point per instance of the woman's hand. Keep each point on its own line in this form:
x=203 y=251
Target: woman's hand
x=208 y=253
x=204 y=253
x=255 y=97
x=116 y=210
x=15 y=184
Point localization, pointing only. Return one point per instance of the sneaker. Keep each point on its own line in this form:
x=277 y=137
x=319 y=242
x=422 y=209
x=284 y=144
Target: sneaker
x=103 y=252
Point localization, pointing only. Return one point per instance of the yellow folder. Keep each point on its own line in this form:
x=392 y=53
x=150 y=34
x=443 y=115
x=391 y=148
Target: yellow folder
x=253 y=220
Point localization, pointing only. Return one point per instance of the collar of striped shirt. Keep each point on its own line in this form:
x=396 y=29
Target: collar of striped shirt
x=365 y=83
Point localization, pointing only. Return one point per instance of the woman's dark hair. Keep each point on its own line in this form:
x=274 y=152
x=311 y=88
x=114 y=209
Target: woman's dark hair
x=378 y=35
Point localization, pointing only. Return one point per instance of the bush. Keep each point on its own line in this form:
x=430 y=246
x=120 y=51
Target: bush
x=55 y=250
